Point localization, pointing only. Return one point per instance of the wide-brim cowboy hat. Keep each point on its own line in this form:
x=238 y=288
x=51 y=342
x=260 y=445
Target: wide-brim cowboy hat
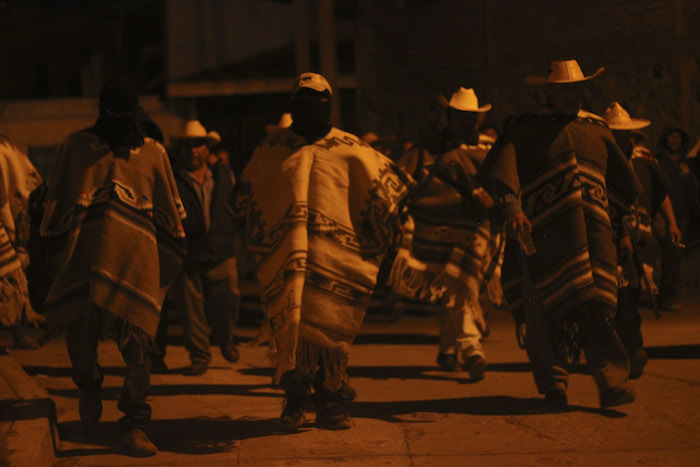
x=618 y=118
x=464 y=99
x=195 y=130
x=284 y=122
x=563 y=72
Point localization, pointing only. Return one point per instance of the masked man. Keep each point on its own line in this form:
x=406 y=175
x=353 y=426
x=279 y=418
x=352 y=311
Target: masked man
x=317 y=206
x=114 y=241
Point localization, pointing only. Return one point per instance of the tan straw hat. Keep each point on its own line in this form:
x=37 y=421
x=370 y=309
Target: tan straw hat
x=464 y=100
x=195 y=130
x=618 y=118
x=563 y=72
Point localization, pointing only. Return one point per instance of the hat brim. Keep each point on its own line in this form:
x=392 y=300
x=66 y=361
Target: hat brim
x=633 y=124
x=539 y=80
x=445 y=103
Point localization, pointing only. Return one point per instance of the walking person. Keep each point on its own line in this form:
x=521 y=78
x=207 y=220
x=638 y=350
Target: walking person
x=317 y=206
x=114 y=239
x=452 y=228
x=552 y=173
x=206 y=292
x=634 y=232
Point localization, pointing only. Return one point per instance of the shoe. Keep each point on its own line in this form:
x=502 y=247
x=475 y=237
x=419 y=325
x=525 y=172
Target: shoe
x=612 y=397
x=292 y=417
x=669 y=304
x=229 y=351
x=158 y=366
x=90 y=408
x=448 y=362
x=137 y=443
x=476 y=366
x=195 y=369
x=638 y=360
x=21 y=340
x=556 y=399
x=333 y=416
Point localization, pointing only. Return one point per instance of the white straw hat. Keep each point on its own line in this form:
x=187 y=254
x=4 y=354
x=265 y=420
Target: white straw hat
x=618 y=118
x=563 y=72
x=284 y=122
x=464 y=100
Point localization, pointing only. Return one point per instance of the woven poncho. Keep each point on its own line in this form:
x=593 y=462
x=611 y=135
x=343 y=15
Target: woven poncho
x=18 y=178
x=318 y=219
x=564 y=168
x=113 y=231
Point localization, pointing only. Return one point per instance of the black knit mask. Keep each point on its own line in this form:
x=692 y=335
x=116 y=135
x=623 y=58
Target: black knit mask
x=118 y=107
x=311 y=114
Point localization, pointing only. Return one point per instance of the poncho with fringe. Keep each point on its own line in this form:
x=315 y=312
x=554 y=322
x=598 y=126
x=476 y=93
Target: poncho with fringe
x=113 y=232
x=318 y=220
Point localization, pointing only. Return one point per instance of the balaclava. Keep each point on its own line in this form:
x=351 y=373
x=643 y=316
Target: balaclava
x=116 y=124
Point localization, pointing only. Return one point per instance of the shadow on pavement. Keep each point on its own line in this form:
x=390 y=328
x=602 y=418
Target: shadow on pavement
x=674 y=351
x=113 y=393
x=482 y=405
x=398 y=338
x=184 y=436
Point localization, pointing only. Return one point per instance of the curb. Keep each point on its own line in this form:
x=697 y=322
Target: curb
x=28 y=429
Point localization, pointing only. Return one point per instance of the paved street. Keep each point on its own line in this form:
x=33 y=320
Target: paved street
x=406 y=413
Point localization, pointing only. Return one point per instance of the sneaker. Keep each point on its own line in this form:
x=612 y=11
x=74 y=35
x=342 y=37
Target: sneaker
x=556 y=399
x=137 y=443
x=90 y=408
x=229 y=351
x=476 y=366
x=638 y=360
x=448 y=362
x=158 y=366
x=333 y=416
x=612 y=397
x=195 y=369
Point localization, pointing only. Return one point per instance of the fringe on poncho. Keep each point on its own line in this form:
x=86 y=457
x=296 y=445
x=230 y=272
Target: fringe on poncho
x=113 y=232
x=318 y=220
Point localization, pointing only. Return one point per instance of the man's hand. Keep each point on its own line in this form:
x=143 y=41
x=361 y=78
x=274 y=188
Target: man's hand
x=518 y=223
x=483 y=197
x=674 y=234
x=626 y=251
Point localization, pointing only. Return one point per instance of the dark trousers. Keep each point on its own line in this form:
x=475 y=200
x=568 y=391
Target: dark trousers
x=628 y=321
x=82 y=339
x=208 y=303
x=670 y=271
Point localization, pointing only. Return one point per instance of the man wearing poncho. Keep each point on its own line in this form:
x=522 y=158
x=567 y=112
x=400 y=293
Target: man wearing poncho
x=552 y=173
x=634 y=232
x=452 y=228
x=18 y=178
x=114 y=243
x=317 y=206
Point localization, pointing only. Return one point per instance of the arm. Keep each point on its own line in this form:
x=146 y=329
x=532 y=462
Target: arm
x=666 y=209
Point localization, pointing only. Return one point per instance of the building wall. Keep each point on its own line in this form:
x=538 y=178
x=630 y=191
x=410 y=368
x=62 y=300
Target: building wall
x=648 y=47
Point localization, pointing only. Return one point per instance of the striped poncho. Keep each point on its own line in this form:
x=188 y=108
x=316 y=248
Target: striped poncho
x=112 y=225
x=450 y=232
x=18 y=178
x=564 y=168
x=318 y=220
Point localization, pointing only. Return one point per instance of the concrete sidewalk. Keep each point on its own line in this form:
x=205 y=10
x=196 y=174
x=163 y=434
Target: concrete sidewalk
x=406 y=412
